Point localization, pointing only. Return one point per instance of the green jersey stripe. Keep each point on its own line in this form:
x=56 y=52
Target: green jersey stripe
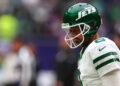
x=79 y=73
x=107 y=62
x=104 y=56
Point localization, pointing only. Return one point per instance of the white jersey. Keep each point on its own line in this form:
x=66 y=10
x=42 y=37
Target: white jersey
x=101 y=57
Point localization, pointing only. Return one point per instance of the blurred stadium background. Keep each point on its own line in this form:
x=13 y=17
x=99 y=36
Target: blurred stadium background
x=32 y=48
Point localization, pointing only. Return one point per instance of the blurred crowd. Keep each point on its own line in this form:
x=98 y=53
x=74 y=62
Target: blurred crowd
x=32 y=47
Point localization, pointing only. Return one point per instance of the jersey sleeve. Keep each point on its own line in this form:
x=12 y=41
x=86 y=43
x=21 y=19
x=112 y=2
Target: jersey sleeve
x=106 y=58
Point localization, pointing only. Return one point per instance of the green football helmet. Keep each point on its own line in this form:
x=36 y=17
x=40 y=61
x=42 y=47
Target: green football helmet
x=82 y=15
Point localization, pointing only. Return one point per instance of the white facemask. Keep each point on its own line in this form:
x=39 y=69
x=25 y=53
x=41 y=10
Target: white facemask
x=84 y=28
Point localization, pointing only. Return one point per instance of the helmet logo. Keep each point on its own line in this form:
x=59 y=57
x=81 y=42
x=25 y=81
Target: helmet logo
x=85 y=12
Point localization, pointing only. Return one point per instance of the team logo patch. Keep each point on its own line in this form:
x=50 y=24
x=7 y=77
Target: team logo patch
x=87 y=11
x=100 y=49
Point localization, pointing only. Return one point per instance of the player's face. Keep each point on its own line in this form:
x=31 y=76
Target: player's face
x=74 y=32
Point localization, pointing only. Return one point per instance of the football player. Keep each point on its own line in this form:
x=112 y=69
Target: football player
x=99 y=62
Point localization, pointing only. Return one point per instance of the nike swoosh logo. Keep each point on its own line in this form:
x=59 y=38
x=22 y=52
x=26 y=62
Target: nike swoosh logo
x=100 y=49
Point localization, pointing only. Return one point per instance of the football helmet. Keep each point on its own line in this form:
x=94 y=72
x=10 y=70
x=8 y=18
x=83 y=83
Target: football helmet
x=82 y=15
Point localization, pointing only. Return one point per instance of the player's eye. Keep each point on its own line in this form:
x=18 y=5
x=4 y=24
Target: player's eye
x=75 y=29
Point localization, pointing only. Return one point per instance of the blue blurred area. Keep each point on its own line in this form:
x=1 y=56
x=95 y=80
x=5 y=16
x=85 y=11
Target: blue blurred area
x=47 y=53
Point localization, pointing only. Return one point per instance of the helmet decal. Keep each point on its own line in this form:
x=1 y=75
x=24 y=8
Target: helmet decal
x=87 y=11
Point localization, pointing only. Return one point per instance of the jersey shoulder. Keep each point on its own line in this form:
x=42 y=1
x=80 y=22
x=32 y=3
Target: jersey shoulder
x=105 y=55
x=100 y=43
x=101 y=46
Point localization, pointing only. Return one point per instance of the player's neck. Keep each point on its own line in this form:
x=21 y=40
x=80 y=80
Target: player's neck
x=90 y=40
x=93 y=38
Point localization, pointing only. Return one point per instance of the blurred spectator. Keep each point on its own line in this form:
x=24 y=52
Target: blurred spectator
x=18 y=66
x=27 y=61
x=17 y=59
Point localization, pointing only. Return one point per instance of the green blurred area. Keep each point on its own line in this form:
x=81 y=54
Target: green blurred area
x=9 y=27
